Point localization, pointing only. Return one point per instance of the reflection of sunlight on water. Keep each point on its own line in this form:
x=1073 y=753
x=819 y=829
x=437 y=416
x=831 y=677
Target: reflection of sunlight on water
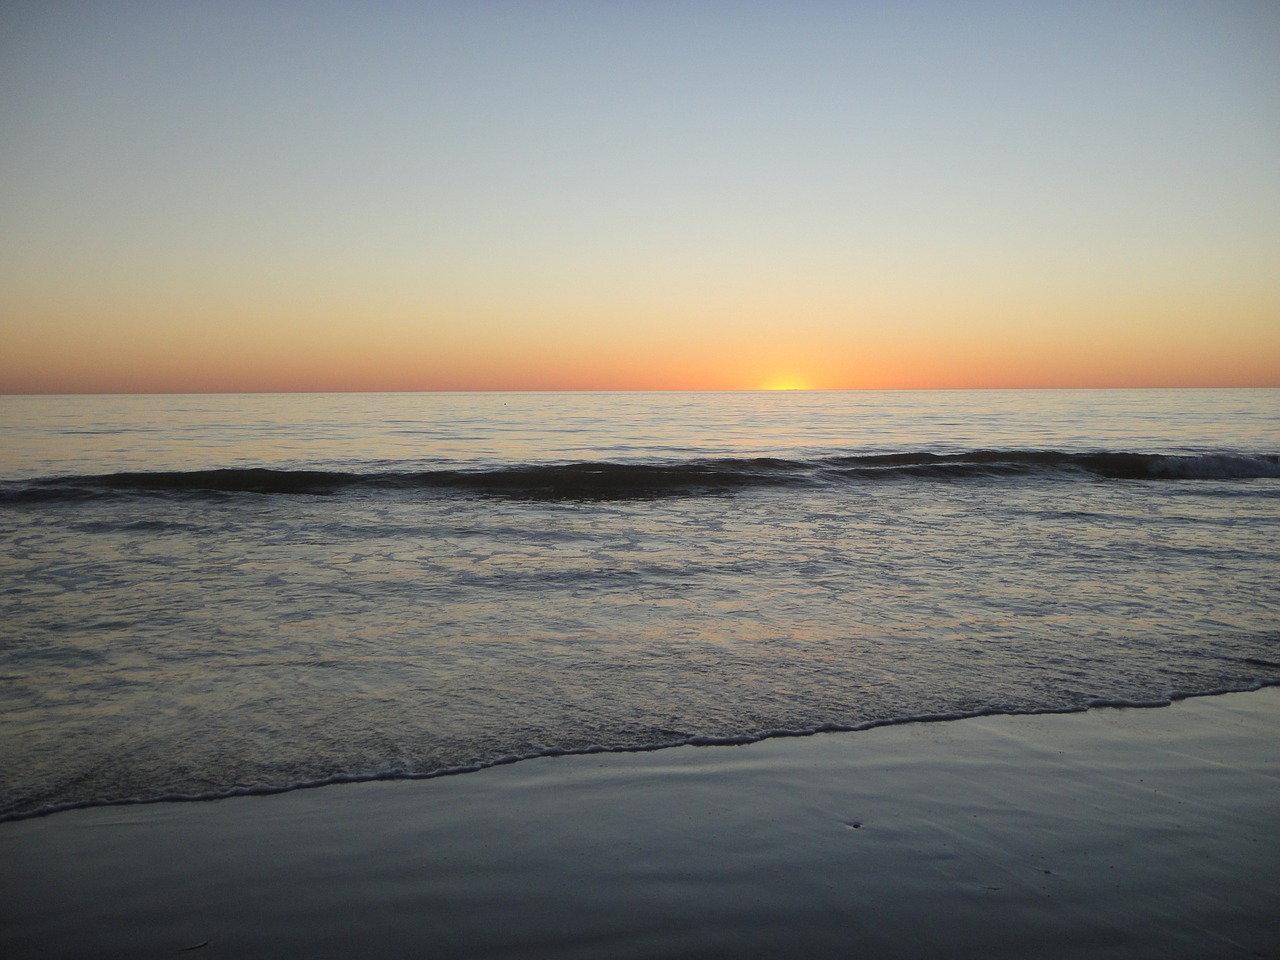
x=91 y=435
x=184 y=641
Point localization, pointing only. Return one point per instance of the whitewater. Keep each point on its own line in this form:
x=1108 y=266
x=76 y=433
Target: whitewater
x=204 y=596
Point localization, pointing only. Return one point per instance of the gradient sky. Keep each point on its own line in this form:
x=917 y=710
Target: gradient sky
x=630 y=195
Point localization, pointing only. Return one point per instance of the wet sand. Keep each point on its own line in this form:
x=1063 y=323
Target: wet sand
x=1115 y=833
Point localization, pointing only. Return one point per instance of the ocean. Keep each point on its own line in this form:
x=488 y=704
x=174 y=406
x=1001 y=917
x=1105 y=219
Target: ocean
x=207 y=596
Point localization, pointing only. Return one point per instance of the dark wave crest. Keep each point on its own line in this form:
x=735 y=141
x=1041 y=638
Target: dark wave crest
x=626 y=481
x=1104 y=465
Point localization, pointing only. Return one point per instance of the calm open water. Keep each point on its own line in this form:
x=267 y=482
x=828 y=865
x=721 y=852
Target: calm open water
x=206 y=595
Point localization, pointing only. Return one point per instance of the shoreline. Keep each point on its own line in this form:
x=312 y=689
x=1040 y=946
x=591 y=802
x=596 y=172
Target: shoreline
x=17 y=816
x=1114 y=831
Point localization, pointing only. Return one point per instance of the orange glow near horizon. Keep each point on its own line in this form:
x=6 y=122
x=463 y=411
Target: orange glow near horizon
x=69 y=344
x=771 y=336
x=786 y=383
x=115 y=369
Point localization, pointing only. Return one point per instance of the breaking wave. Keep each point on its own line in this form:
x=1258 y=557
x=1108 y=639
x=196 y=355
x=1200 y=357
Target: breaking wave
x=678 y=478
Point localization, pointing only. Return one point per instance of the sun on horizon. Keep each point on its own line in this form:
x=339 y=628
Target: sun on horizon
x=787 y=383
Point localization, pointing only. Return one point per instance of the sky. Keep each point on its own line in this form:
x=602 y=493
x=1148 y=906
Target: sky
x=562 y=195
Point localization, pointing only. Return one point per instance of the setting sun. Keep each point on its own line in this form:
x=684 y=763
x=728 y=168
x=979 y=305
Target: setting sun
x=786 y=383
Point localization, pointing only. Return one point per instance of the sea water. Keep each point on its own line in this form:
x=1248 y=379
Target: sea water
x=202 y=596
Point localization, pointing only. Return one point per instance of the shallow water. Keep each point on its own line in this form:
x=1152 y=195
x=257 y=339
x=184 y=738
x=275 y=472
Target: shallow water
x=1113 y=834
x=209 y=595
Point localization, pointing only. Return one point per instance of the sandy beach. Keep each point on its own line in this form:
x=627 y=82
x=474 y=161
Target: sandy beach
x=1113 y=833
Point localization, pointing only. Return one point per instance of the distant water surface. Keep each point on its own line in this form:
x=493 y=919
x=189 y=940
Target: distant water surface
x=204 y=595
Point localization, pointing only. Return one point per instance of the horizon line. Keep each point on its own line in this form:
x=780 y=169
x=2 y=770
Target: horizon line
x=285 y=392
